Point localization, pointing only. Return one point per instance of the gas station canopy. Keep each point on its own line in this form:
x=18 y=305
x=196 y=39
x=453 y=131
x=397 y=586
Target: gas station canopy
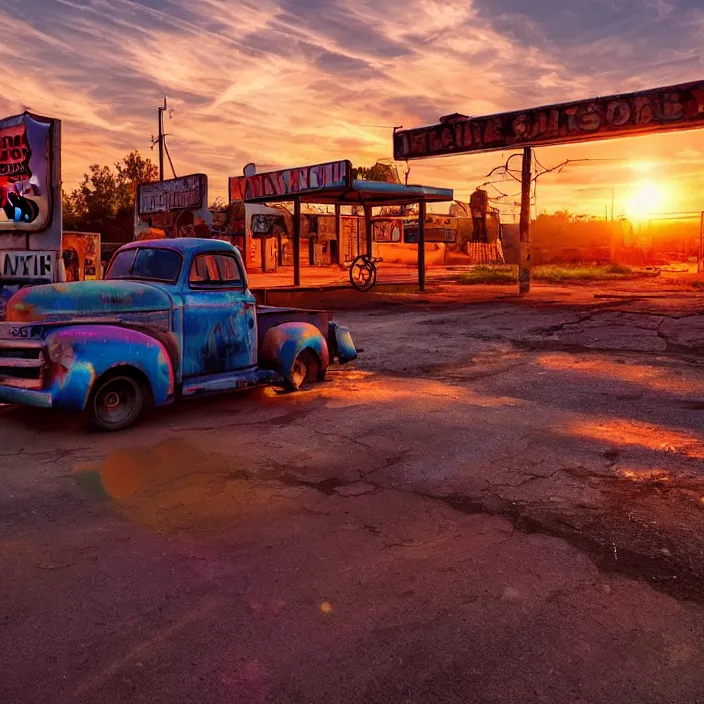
x=372 y=193
x=332 y=184
x=329 y=183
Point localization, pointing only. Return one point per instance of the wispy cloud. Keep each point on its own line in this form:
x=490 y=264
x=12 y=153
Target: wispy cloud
x=299 y=81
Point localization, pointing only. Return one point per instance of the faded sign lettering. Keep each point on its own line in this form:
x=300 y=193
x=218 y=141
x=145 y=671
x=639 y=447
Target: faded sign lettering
x=660 y=110
x=27 y=265
x=298 y=181
x=185 y=193
x=14 y=151
x=177 y=207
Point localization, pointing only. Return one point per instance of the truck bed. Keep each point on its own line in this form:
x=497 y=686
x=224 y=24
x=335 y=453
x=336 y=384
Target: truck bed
x=270 y=316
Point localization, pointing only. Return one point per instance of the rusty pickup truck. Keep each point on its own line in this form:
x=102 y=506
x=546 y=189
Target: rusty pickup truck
x=172 y=319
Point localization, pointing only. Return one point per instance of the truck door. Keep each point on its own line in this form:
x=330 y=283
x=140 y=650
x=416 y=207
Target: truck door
x=219 y=317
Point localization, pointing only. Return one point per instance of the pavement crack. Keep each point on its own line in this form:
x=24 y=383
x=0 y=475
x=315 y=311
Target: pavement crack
x=682 y=354
x=324 y=486
x=348 y=438
x=453 y=398
x=61 y=566
x=390 y=462
x=593 y=537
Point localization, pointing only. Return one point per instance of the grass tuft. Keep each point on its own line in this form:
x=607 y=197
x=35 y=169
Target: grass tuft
x=552 y=273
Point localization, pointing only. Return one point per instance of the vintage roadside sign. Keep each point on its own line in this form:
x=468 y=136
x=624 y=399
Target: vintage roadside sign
x=27 y=153
x=26 y=265
x=291 y=182
x=176 y=207
x=678 y=107
x=184 y=193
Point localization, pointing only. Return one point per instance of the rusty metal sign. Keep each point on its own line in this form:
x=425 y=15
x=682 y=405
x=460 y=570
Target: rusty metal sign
x=26 y=178
x=291 y=182
x=678 y=107
x=184 y=193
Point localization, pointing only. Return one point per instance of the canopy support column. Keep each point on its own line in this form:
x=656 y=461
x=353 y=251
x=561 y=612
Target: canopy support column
x=297 y=242
x=368 y=228
x=338 y=228
x=421 y=245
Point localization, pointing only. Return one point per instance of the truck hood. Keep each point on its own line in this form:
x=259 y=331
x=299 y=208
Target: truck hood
x=85 y=299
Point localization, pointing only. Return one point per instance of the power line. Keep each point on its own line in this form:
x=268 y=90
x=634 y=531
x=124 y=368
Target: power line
x=378 y=127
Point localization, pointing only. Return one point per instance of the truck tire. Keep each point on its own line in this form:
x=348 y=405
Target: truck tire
x=116 y=402
x=306 y=368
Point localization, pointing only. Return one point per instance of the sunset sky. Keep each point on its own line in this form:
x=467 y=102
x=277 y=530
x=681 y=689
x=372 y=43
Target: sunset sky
x=293 y=82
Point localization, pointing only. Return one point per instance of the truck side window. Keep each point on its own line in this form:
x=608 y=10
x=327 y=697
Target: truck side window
x=122 y=264
x=215 y=271
x=199 y=271
x=229 y=272
x=147 y=263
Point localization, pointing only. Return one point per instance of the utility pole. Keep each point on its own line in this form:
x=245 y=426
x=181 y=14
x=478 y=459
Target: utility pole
x=612 y=203
x=161 y=140
x=160 y=112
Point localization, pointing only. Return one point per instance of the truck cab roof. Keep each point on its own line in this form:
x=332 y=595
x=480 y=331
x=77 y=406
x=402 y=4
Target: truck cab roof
x=184 y=245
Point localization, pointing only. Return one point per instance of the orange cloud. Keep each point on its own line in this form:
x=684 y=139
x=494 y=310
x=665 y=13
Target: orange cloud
x=291 y=82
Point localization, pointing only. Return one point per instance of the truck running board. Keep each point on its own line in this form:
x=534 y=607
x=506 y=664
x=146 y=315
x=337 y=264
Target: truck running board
x=228 y=381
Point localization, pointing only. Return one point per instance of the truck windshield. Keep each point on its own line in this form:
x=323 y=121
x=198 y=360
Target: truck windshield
x=146 y=263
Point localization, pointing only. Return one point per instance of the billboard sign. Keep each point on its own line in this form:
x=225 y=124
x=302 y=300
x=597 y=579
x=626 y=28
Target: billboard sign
x=278 y=185
x=678 y=107
x=176 y=207
x=26 y=175
x=185 y=193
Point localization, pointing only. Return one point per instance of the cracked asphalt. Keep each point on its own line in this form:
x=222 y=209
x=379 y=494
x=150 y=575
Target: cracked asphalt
x=501 y=501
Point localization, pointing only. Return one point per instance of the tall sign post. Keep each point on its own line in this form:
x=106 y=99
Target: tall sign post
x=422 y=210
x=672 y=108
x=524 y=265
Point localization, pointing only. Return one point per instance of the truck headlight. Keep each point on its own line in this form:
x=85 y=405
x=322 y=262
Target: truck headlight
x=60 y=352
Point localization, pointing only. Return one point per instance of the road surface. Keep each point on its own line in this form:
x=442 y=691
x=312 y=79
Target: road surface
x=501 y=501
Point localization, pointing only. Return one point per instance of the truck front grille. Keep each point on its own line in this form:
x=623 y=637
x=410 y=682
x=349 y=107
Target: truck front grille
x=21 y=360
x=21 y=353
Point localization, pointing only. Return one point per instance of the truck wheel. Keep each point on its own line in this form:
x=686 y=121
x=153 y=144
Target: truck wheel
x=305 y=368
x=116 y=402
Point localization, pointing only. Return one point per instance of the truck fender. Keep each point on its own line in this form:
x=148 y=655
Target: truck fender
x=341 y=344
x=77 y=356
x=283 y=343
